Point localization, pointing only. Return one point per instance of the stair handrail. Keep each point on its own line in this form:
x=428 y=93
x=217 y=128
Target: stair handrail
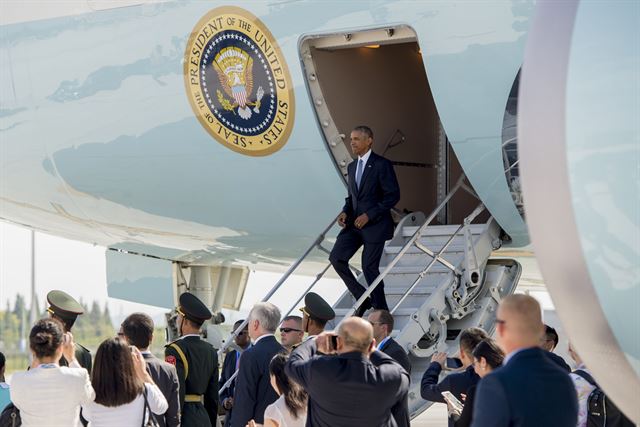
x=316 y=244
x=416 y=235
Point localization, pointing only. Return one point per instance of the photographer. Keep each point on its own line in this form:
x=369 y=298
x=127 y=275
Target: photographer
x=353 y=384
x=37 y=392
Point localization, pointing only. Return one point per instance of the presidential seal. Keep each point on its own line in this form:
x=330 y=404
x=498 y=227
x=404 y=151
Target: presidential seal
x=238 y=83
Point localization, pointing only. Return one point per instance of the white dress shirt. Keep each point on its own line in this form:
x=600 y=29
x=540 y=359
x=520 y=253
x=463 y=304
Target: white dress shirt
x=129 y=414
x=365 y=159
x=51 y=395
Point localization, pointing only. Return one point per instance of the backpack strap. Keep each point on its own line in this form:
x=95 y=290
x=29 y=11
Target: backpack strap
x=587 y=377
x=177 y=348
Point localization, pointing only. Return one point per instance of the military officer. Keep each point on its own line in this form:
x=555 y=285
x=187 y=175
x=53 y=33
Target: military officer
x=315 y=314
x=63 y=307
x=196 y=362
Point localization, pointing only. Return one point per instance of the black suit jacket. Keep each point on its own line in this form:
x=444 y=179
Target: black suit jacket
x=458 y=384
x=378 y=193
x=529 y=391
x=228 y=369
x=166 y=378
x=558 y=360
x=348 y=389
x=253 y=391
x=392 y=349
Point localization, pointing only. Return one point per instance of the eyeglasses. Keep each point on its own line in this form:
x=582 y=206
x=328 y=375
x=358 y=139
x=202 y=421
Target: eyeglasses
x=287 y=330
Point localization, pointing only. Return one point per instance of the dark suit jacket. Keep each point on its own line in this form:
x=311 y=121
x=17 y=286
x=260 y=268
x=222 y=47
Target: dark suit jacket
x=458 y=384
x=228 y=369
x=401 y=410
x=253 y=392
x=348 y=389
x=166 y=378
x=529 y=391
x=392 y=349
x=378 y=193
x=558 y=360
x=467 y=411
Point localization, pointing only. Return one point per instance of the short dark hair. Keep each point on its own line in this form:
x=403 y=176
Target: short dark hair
x=364 y=129
x=386 y=318
x=295 y=397
x=3 y=360
x=292 y=317
x=552 y=335
x=470 y=338
x=320 y=322
x=491 y=353
x=114 y=376
x=46 y=337
x=138 y=329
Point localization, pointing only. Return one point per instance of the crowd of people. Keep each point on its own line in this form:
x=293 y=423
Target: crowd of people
x=357 y=375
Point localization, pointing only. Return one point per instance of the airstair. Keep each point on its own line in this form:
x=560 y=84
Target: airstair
x=438 y=280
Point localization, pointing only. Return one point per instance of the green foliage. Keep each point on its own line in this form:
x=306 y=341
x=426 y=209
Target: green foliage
x=89 y=330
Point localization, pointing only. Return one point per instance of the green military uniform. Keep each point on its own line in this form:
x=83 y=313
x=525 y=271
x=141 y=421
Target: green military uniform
x=316 y=308
x=66 y=309
x=196 y=362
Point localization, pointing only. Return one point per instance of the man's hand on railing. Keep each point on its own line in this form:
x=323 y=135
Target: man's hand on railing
x=342 y=219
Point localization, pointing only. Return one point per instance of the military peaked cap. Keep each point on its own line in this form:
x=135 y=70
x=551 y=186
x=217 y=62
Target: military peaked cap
x=193 y=309
x=63 y=305
x=317 y=308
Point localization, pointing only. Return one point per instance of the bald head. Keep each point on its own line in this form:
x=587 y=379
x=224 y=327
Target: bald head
x=355 y=334
x=519 y=322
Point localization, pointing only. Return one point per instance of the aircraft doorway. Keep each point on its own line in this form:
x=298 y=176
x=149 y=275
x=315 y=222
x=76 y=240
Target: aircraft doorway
x=377 y=78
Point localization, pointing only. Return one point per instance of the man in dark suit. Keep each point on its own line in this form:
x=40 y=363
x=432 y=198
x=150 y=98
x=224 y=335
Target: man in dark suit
x=529 y=389
x=357 y=387
x=548 y=343
x=229 y=367
x=382 y=324
x=366 y=217
x=253 y=391
x=456 y=383
x=137 y=329
x=196 y=363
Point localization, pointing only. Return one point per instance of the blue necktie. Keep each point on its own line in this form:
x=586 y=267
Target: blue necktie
x=359 y=171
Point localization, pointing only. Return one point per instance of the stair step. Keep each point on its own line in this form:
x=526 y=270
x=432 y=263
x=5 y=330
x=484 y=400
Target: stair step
x=416 y=269
x=441 y=230
x=413 y=250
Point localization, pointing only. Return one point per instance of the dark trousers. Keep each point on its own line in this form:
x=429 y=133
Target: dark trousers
x=347 y=244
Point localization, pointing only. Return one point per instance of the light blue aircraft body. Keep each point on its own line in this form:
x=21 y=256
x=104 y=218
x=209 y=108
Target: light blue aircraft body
x=104 y=135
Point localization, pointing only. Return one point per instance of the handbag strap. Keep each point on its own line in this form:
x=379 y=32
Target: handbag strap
x=146 y=405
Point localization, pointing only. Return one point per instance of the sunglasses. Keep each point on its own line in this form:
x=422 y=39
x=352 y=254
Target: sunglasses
x=287 y=330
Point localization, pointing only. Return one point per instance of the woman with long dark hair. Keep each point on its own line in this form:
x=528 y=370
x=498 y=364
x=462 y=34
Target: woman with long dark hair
x=487 y=356
x=49 y=394
x=290 y=410
x=125 y=392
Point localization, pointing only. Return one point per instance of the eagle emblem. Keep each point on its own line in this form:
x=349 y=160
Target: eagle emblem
x=234 y=67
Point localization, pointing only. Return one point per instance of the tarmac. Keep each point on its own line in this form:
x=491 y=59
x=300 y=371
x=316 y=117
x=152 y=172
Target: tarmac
x=435 y=416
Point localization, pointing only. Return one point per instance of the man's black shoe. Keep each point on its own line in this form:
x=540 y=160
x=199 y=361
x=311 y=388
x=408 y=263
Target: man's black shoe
x=366 y=305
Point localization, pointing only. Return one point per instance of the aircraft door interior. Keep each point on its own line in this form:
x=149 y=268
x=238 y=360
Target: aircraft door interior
x=377 y=78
